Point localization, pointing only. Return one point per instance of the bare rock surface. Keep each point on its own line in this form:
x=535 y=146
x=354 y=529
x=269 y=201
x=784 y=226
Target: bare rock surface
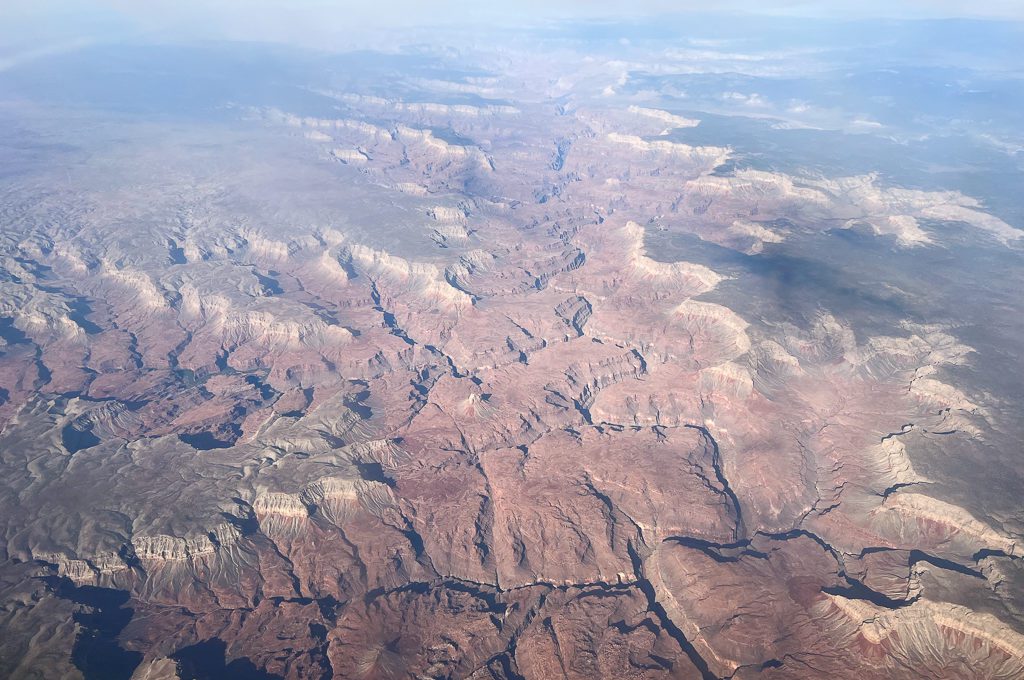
x=401 y=391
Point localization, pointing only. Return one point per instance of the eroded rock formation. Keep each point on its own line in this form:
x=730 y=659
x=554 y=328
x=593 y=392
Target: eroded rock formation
x=267 y=430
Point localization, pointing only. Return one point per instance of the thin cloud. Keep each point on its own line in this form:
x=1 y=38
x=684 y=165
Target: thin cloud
x=327 y=23
x=16 y=59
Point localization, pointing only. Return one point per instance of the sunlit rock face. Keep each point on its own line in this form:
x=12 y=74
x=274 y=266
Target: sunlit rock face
x=500 y=364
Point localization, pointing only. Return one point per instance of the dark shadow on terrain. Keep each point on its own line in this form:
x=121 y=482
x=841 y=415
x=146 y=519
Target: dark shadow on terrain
x=80 y=310
x=10 y=334
x=855 y=590
x=176 y=254
x=827 y=273
x=374 y=472
x=74 y=439
x=207 y=661
x=266 y=391
x=271 y=285
x=96 y=652
x=206 y=441
x=356 y=404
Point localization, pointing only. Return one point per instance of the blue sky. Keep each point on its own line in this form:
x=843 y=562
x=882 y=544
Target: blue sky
x=33 y=26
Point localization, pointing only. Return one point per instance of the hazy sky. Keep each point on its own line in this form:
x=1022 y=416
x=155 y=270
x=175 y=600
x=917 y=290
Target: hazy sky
x=34 y=26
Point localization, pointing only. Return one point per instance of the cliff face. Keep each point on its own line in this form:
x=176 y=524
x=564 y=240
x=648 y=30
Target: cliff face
x=413 y=406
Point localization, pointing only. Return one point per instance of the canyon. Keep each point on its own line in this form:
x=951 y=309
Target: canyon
x=401 y=389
